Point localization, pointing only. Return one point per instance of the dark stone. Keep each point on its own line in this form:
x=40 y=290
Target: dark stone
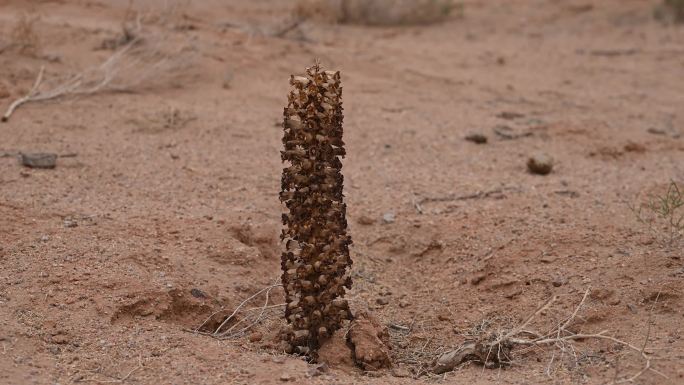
x=38 y=160
x=540 y=164
x=510 y=115
x=476 y=138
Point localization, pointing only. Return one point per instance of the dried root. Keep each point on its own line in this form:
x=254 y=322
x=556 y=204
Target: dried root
x=316 y=259
x=495 y=350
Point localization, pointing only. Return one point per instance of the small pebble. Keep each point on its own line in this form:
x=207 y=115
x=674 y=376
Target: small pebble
x=60 y=339
x=510 y=115
x=53 y=57
x=401 y=372
x=540 y=164
x=476 y=138
x=382 y=301
x=285 y=377
x=197 y=293
x=635 y=147
x=38 y=160
x=365 y=220
x=656 y=131
x=317 y=370
x=477 y=279
x=388 y=218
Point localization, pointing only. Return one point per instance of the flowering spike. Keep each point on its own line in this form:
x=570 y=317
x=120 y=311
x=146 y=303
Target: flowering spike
x=315 y=260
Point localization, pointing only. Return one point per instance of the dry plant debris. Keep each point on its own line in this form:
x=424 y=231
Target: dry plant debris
x=316 y=259
x=23 y=36
x=376 y=12
x=495 y=350
x=664 y=213
x=130 y=29
x=141 y=59
x=670 y=11
x=241 y=320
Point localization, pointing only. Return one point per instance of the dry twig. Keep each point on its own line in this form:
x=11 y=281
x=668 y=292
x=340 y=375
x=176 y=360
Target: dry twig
x=453 y=197
x=232 y=331
x=31 y=94
x=116 y=380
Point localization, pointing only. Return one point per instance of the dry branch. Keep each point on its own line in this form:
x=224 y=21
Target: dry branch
x=453 y=197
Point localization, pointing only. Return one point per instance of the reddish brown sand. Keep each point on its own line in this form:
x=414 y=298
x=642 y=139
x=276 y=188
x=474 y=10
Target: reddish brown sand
x=174 y=187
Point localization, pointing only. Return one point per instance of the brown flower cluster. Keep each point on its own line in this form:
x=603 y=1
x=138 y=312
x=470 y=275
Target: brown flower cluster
x=316 y=259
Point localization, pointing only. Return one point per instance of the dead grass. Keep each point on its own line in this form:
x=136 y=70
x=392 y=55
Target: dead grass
x=501 y=342
x=677 y=8
x=130 y=30
x=141 y=57
x=376 y=12
x=670 y=11
x=505 y=346
x=23 y=36
x=664 y=213
x=241 y=320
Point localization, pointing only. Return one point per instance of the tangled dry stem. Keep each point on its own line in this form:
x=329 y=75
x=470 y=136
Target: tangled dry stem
x=495 y=350
x=246 y=318
x=24 y=36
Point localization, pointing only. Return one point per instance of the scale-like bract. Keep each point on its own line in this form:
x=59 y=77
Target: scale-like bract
x=316 y=260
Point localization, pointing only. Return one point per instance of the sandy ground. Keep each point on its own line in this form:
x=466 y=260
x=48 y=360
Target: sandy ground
x=174 y=185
